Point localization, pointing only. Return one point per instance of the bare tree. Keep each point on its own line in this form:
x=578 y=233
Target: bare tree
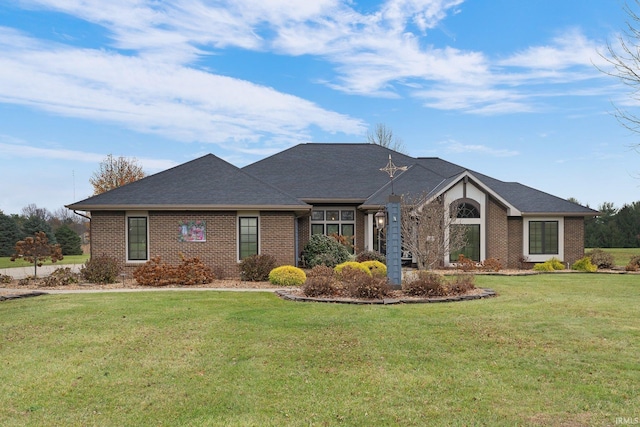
x=32 y=210
x=382 y=135
x=624 y=57
x=427 y=232
x=115 y=172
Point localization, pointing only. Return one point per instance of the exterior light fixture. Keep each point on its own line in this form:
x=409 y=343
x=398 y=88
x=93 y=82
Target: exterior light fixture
x=380 y=219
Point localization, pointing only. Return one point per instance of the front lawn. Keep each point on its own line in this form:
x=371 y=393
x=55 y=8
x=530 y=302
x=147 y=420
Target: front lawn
x=550 y=350
x=5 y=262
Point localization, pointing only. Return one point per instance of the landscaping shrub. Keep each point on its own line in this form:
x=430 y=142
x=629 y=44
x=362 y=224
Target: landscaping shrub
x=491 y=264
x=320 y=285
x=153 y=273
x=549 y=265
x=460 y=284
x=426 y=284
x=634 y=264
x=351 y=265
x=584 y=264
x=324 y=250
x=376 y=268
x=466 y=264
x=60 y=277
x=101 y=269
x=361 y=284
x=601 y=259
x=321 y=271
x=287 y=275
x=371 y=256
x=4 y=278
x=256 y=268
x=190 y=271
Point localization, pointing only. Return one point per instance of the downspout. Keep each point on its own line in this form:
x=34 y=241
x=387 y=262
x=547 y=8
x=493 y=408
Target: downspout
x=89 y=218
x=295 y=241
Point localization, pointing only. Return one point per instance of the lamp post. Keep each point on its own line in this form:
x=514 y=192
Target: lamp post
x=381 y=219
x=394 y=237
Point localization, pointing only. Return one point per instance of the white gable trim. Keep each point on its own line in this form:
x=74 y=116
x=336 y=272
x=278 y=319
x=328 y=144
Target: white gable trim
x=511 y=210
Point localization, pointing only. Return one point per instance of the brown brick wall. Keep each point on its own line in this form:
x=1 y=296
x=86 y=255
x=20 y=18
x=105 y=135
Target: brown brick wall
x=514 y=247
x=108 y=236
x=573 y=239
x=278 y=236
x=497 y=233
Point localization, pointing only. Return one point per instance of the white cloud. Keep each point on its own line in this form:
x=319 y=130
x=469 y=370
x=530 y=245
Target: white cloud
x=167 y=99
x=458 y=147
x=14 y=150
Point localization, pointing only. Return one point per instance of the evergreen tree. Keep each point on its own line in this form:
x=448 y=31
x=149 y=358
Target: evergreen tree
x=68 y=240
x=34 y=224
x=10 y=233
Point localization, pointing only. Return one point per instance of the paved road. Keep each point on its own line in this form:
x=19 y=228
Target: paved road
x=45 y=270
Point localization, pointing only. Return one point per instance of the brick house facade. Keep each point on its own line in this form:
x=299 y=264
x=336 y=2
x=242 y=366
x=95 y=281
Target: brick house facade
x=275 y=205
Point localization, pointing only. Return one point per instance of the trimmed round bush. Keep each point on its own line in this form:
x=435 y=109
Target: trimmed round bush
x=549 y=265
x=376 y=268
x=352 y=264
x=584 y=264
x=324 y=250
x=600 y=258
x=287 y=275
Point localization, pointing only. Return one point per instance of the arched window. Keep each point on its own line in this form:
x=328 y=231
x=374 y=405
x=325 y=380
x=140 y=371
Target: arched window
x=465 y=208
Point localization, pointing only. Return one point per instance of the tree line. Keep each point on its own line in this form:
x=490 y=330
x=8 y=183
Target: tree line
x=61 y=227
x=614 y=228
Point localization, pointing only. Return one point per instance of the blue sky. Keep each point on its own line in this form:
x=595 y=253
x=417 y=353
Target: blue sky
x=507 y=88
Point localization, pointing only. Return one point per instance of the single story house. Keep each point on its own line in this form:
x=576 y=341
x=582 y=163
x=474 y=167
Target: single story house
x=220 y=213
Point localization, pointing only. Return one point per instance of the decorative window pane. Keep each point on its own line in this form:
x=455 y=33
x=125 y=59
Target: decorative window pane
x=248 y=237
x=317 y=216
x=333 y=215
x=317 y=229
x=347 y=230
x=347 y=215
x=467 y=210
x=333 y=229
x=137 y=238
x=543 y=237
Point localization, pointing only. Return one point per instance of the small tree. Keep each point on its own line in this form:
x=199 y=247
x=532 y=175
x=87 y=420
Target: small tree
x=382 y=135
x=115 y=172
x=36 y=250
x=69 y=241
x=427 y=232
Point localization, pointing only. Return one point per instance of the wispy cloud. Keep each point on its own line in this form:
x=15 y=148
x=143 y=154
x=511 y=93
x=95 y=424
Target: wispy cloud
x=9 y=150
x=172 y=100
x=458 y=147
x=150 y=80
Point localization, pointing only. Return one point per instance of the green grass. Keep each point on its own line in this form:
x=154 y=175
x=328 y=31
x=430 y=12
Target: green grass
x=550 y=350
x=5 y=262
x=621 y=256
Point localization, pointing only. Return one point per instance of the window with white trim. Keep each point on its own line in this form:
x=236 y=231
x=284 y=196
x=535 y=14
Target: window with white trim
x=340 y=221
x=137 y=238
x=543 y=237
x=247 y=236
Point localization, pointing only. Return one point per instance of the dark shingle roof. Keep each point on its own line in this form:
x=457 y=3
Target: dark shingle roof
x=312 y=173
x=328 y=171
x=351 y=172
x=207 y=182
